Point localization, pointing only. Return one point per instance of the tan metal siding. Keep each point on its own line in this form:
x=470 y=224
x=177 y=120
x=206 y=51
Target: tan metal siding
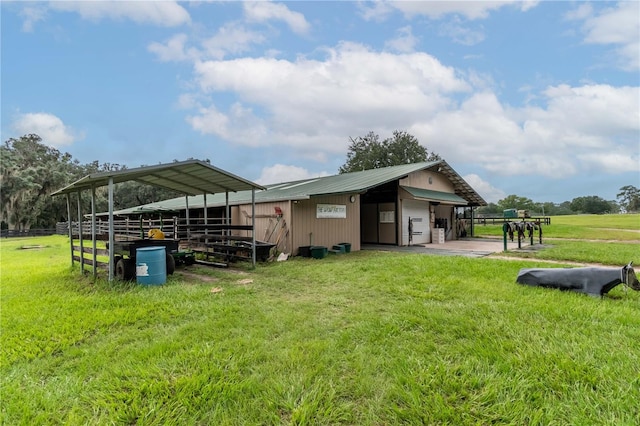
x=387 y=231
x=420 y=179
x=308 y=230
x=265 y=222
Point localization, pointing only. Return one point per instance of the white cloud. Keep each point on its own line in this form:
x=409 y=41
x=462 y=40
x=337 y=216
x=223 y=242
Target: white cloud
x=263 y=11
x=231 y=38
x=612 y=162
x=283 y=173
x=173 y=50
x=162 y=13
x=239 y=124
x=619 y=26
x=438 y=9
x=577 y=126
x=490 y=193
x=49 y=127
x=460 y=33
x=405 y=42
x=312 y=107
x=315 y=103
x=32 y=14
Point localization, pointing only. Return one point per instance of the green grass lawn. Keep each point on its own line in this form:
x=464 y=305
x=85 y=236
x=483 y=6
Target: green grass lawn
x=598 y=239
x=618 y=227
x=366 y=338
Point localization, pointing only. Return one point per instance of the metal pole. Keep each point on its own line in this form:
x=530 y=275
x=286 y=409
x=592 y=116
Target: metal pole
x=80 y=235
x=69 y=226
x=227 y=212
x=504 y=235
x=186 y=203
x=253 y=226
x=112 y=239
x=93 y=231
x=206 y=217
x=472 y=224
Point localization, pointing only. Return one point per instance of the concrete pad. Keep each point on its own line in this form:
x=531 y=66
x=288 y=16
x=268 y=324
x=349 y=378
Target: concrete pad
x=468 y=247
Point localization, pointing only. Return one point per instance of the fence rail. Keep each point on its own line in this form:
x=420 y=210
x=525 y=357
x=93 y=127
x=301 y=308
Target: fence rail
x=499 y=220
x=12 y=233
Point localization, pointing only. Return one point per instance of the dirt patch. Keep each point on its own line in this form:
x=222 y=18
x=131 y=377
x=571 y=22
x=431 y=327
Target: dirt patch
x=190 y=276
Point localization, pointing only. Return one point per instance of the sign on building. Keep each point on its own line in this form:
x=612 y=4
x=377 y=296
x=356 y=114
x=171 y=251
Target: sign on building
x=331 y=211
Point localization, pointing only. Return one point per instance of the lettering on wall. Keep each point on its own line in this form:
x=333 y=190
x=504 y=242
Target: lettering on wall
x=331 y=211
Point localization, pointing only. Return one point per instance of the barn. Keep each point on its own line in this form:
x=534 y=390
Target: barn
x=410 y=204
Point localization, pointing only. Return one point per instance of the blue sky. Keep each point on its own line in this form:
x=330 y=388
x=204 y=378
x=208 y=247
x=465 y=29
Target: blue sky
x=538 y=99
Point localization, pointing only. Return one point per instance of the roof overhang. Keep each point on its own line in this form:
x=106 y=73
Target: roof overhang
x=191 y=177
x=461 y=187
x=435 y=196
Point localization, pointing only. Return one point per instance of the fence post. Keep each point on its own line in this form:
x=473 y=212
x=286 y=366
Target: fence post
x=504 y=235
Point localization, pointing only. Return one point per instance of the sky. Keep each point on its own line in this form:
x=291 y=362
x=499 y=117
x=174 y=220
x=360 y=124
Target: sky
x=540 y=99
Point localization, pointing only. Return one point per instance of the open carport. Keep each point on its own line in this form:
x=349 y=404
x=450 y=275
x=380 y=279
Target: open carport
x=191 y=177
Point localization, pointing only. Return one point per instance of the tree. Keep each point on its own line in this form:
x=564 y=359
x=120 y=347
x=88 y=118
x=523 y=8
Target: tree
x=29 y=172
x=629 y=198
x=592 y=205
x=515 y=202
x=369 y=152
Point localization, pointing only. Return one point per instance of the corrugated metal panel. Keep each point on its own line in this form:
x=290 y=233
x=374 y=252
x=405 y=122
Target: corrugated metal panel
x=190 y=177
x=429 y=195
x=325 y=232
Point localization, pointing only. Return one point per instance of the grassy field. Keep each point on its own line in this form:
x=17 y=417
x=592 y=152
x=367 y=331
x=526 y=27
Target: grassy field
x=367 y=338
x=597 y=239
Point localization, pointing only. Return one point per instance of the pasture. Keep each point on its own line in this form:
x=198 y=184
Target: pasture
x=367 y=338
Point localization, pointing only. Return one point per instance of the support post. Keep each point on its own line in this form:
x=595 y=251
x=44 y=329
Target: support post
x=69 y=226
x=227 y=213
x=93 y=231
x=112 y=239
x=532 y=235
x=253 y=226
x=206 y=219
x=186 y=204
x=80 y=236
x=504 y=235
x=540 y=232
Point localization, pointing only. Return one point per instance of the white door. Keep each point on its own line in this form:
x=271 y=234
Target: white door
x=416 y=212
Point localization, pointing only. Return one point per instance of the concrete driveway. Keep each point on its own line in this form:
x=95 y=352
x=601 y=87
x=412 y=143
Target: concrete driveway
x=468 y=247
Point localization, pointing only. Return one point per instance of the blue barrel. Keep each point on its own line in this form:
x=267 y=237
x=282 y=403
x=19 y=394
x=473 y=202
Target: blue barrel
x=151 y=265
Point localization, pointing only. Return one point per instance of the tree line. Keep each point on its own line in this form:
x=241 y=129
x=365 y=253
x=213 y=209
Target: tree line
x=628 y=201
x=30 y=171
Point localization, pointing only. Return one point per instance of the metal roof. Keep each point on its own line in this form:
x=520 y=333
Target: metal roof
x=191 y=177
x=439 y=196
x=347 y=183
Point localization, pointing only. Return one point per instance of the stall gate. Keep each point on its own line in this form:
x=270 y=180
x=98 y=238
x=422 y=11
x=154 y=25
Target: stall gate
x=415 y=222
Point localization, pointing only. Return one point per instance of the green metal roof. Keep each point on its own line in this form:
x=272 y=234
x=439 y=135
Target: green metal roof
x=347 y=183
x=189 y=177
x=427 y=194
